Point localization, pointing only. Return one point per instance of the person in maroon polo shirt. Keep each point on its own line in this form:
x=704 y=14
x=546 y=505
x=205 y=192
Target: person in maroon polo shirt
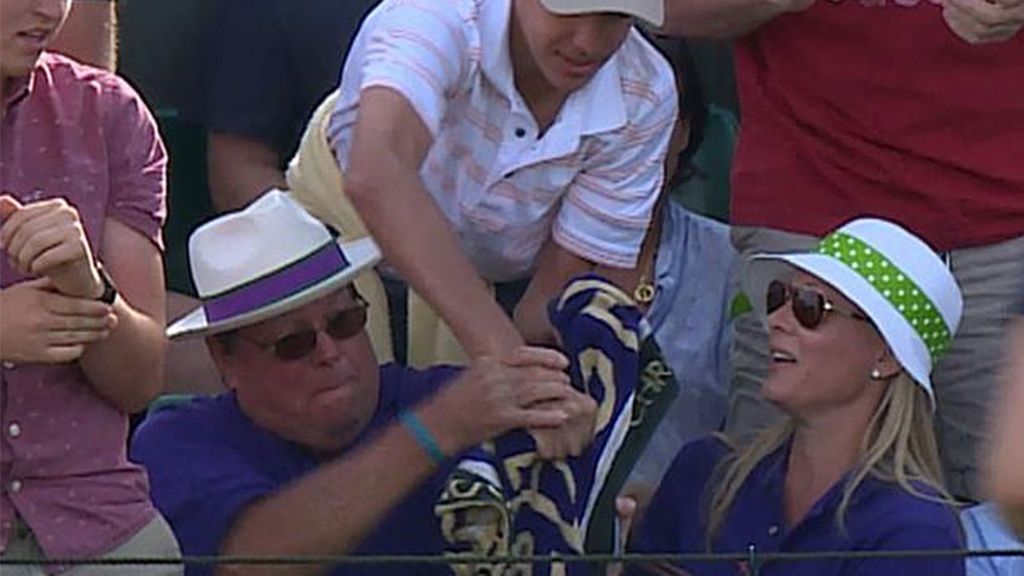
x=82 y=187
x=909 y=110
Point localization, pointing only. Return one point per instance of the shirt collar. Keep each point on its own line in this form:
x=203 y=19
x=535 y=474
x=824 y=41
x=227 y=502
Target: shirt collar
x=770 y=477
x=595 y=108
x=495 y=59
x=20 y=89
x=770 y=474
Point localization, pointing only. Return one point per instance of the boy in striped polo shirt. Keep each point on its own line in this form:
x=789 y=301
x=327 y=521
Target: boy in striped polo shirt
x=499 y=140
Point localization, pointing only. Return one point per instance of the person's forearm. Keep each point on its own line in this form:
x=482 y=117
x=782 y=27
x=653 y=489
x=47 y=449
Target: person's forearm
x=555 y=267
x=1007 y=455
x=240 y=170
x=127 y=367
x=417 y=240
x=330 y=511
x=90 y=34
x=626 y=279
x=717 y=19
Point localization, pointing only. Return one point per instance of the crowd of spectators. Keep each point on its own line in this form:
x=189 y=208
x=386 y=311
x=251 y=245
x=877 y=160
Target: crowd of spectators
x=449 y=233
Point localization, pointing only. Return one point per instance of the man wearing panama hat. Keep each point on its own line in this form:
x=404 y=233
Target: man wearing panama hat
x=855 y=329
x=268 y=468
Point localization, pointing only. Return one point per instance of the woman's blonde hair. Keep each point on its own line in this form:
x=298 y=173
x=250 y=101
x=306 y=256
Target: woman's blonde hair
x=899 y=446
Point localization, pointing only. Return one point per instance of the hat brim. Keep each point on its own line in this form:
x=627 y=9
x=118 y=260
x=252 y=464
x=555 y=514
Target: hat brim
x=906 y=346
x=651 y=11
x=362 y=254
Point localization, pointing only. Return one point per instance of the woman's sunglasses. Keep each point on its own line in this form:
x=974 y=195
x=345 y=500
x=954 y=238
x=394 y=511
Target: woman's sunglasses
x=343 y=325
x=809 y=306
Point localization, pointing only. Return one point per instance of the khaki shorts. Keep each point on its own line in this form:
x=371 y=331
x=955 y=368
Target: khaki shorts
x=155 y=540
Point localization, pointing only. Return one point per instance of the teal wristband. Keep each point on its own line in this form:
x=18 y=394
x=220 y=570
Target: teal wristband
x=423 y=437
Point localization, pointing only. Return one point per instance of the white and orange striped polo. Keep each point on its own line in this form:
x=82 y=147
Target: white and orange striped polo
x=591 y=180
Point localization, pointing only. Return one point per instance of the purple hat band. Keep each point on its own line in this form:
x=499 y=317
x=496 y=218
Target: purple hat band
x=319 y=265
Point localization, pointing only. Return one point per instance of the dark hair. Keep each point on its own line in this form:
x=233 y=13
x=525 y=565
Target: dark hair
x=692 y=104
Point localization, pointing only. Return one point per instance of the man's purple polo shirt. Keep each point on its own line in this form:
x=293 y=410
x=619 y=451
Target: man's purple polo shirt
x=83 y=134
x=209 y=462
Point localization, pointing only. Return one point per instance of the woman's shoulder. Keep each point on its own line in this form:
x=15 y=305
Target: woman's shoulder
x=887 y=509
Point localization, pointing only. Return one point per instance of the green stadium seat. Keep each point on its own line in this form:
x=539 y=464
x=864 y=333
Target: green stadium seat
x=188 y=198
x=708 y=192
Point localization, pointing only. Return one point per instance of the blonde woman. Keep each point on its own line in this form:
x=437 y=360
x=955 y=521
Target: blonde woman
x=855 y=328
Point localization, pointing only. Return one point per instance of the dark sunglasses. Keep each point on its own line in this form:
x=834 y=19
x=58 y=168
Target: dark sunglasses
x=809 y=306
x=343 y=325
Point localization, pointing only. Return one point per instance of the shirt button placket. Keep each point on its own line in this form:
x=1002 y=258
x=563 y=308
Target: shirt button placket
x=13 y=431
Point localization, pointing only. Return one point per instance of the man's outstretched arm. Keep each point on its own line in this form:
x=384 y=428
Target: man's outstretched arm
x=383 y=181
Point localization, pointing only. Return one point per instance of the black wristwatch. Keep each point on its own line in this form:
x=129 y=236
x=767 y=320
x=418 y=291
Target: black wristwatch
x=109 y=290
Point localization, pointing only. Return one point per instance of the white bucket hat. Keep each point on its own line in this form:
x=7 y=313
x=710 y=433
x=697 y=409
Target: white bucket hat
x=263 y=261
x=896 y=279
x=653 y=11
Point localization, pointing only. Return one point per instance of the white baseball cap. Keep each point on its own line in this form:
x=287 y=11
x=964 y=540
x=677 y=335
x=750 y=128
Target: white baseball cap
x=653 y=11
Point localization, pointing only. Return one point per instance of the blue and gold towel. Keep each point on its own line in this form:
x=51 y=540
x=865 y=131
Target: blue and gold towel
x=503 y=500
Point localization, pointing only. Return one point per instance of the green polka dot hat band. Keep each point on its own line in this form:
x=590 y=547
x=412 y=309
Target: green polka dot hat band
x=894 y=278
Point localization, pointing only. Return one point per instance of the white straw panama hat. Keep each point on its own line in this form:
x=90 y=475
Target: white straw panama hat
x=896 y=279
x=265 y=260
x=653 y=11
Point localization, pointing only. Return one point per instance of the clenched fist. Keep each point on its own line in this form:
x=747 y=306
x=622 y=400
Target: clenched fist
x=984 y=21
x=46 y=238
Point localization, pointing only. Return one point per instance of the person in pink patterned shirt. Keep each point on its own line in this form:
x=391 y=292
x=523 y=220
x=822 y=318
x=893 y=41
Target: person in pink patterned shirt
x=82 y=202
